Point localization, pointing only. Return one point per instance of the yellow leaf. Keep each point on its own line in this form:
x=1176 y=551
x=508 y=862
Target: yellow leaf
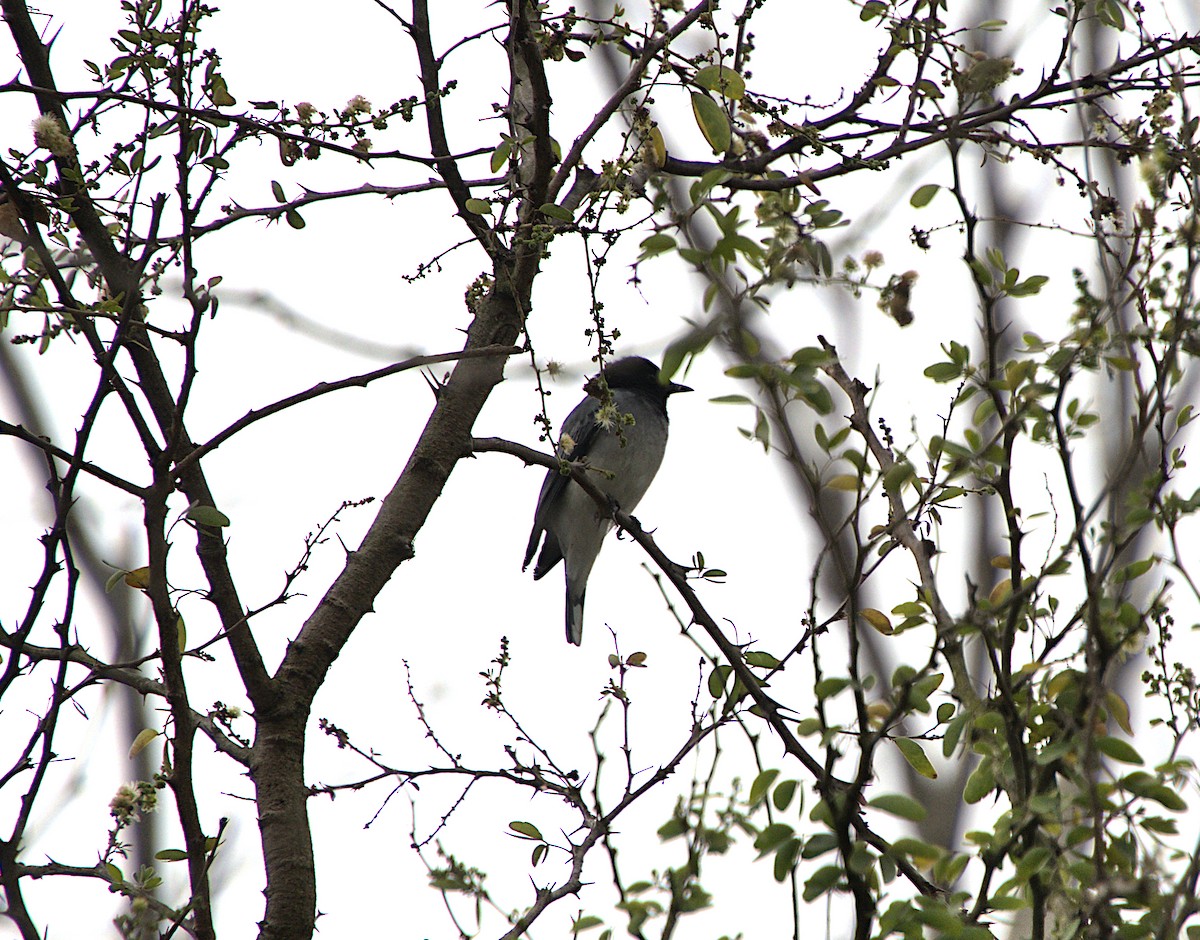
x=877 y=712
x=138 y=578
x=145 y=736
x=723 y=80
x=916 y=757
x=1061 y=682
x=805 y=180
x=1002 y=561
x=220 y=93
x=713 y=123
x=657 y=149
x=1119 y=709
x=877 y=619
x=1000 y=593
x=846 y=482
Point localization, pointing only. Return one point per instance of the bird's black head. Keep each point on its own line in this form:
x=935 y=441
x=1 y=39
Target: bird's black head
x=634 y=373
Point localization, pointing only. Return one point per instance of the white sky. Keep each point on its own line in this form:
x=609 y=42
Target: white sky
x=445 y=610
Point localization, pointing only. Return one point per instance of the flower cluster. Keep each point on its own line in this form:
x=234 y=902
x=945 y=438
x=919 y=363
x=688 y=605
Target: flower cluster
x=49 y=132
x=134 y=799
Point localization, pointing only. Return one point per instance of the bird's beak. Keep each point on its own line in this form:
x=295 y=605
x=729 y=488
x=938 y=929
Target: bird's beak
x=674 y=387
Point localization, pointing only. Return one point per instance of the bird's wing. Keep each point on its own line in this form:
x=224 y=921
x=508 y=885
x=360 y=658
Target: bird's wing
x=581 y=427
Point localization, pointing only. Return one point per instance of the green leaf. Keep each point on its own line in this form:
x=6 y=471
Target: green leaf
x=717 y=680
x=171 y=855
x=949 y=492
x=981 y=782
x=208 y=515
x=923 y=195
x=772 y=837
x=807 y=726
x=584 y=923
x=277 y=191
x=1109 y=13
x=713 y=123
x=525 y=830
x=948 y=869
x=822 y=880
x=810 y=357
x=899 y=805
x=656 y=245
x=723 y=80
x=827 y=688
x=761 y=659
x=1119 y=750
x=1135 y=570
x=900 y=473
x=673 y=828
x=731 y=400
x=943 y=371
x=819 y=844
x=817 y=395
x=114 y=579
x=928 y=89
x=500 y=156
x=479 y=206
x=1161 y=825
x=1032 y=862
x=1028 y=287
x=1165 y=796
x=782 y=797
x=785 y=859
x=294 y=219
x=557 y=212
x=762 y=783
x=915 y=755
x=920 y=852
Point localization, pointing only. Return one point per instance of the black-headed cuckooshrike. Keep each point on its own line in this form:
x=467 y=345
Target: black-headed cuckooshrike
x=623 y=439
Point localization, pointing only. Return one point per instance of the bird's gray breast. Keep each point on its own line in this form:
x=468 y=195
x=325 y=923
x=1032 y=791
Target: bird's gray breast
x=626 y=458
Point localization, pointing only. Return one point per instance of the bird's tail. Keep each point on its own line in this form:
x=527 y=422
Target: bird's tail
x=574 y=616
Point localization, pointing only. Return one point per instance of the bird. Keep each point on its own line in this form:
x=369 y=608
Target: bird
x=620 y=429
